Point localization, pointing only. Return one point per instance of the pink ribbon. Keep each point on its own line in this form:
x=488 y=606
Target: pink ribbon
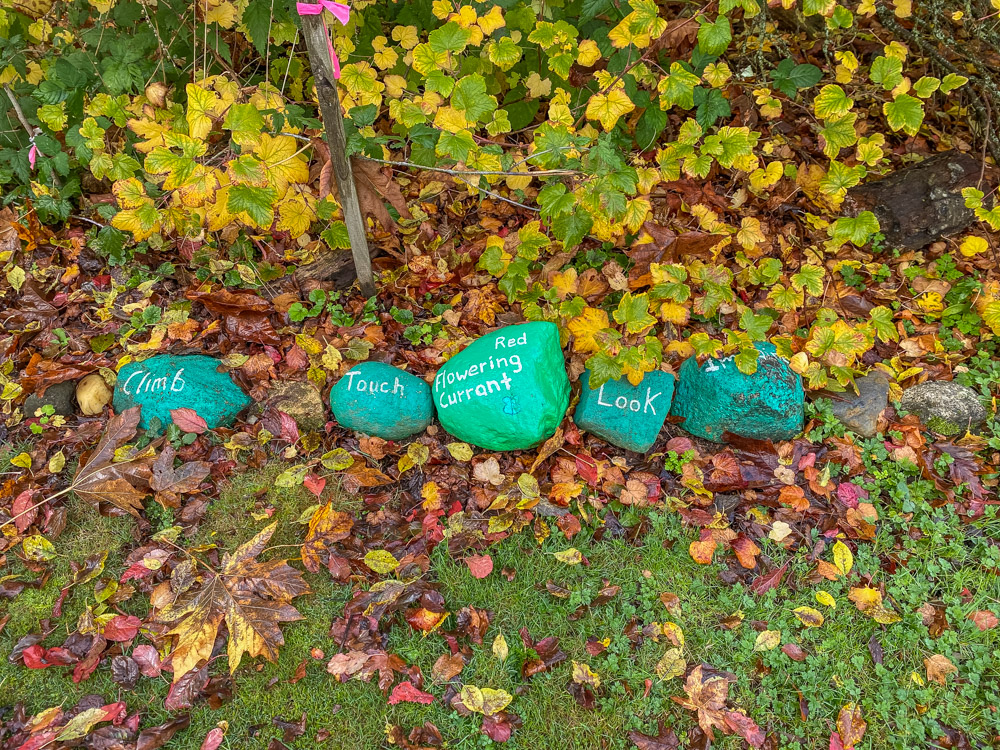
x=340 y=11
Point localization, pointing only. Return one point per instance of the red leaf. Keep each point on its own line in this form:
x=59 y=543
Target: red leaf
x=213 y=739
x=122 y=628
x=188 y=420
x=587 y=468
x=479 y=565
x=22 y=503
x=314 y=484
x=405 y=692
x=34 y=658
x=835 y=743
x=499 y=727
x=745 y=727
x=289 y=428
x=984 y=619
x=765 y=583
x=148 y=660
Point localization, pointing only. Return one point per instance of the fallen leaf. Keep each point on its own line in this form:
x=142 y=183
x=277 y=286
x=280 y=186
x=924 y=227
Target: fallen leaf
x=767 y=640
x=405 y=692
x=808 y=616
x=938 y=668
x=252 y=597
x=479 y=565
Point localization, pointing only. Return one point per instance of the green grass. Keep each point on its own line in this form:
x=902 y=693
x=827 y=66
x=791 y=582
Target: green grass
x=936 y=559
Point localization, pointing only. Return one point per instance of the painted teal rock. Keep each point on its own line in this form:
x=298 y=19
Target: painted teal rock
x=505 y=391
x=382 y=400
x=717 y=397
x=168 y=381
x=626 y=415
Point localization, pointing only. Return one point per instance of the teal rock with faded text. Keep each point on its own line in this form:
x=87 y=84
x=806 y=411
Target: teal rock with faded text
x=626 y=415
x=505 y=391
x=382 y=400
x=167 y=381
x=716 y=397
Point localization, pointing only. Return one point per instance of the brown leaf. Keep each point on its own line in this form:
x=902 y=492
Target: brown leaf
x=252 y=597
x=326 y=527
x=170 y=483
x=446 y=668
x=479 y=565
x=99 y=479
x=156 y=737
x=374 y=186
x=664 y=740
x=938 y=668
x=850 y=725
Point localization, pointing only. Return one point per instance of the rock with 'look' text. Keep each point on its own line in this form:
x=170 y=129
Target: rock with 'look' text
x=165 y=382
x=505 y=391
x=626 y=415
x=717 y=397
x=382 y=400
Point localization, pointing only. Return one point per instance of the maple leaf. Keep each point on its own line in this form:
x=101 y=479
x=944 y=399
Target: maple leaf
x=707 y=695
x=252 y=597
x=101 y=478
x=169 y=483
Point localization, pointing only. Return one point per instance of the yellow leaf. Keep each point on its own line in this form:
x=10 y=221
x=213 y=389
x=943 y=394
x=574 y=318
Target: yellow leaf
x=808 y=616
x=869 y=601
x=281 y=162
x=202 y=107
x=57 y=463
x=750 y=234
x=460 y=451
x=571 y=556
x=767 y=640
x=500 y=650
x=589 y=53
x=37 y=548
x=223 y=14
x=22 y=460
x=671 y=664
x=842 y=557
x=486 y=701
x=823 y=597
x=973 y=245
x=381 y=561
x=608 y=108
x=584 y=675
x=585 y=327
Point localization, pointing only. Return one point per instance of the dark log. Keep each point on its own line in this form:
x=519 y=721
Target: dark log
x=920 y=204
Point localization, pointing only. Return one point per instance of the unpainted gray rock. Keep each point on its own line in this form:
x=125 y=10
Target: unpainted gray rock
x=302 y=401
x=944 y=406
x=61 y=396
x=860 y=411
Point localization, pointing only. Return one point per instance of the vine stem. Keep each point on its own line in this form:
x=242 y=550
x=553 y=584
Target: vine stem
x=19 y=112
x=475 y=172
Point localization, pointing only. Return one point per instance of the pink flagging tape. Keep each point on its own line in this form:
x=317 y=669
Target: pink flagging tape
x=340 y=11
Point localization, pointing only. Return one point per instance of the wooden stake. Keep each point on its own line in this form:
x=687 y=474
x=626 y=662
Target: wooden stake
x=317 y=43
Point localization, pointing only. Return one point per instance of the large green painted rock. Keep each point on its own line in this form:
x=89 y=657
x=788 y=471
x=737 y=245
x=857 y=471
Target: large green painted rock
x=382 y=400
x=505 y=391
x=626 y=415
x=169 y=381
x=717 y=397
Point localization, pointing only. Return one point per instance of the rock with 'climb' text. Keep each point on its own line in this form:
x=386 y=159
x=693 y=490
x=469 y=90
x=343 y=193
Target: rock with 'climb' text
x=165 y=382
x=505 y=391
x=382 y=400
x=626 y=415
